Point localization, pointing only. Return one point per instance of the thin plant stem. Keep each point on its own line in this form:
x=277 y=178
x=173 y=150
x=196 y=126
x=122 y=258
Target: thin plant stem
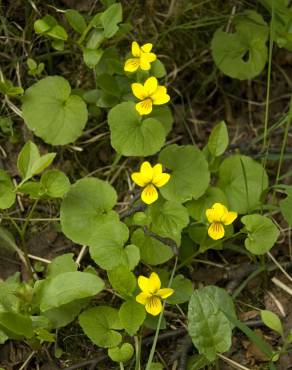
x=138 y=352
x=151 y=355
x=269 y=78
x=122 y=366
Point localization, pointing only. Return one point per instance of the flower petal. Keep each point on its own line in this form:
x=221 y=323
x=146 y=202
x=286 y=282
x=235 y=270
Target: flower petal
x=146 y=48
x=144 y=284
x=150 y=85
x=142 y=298
x=139 y=91
x=216 y=231
x=132 y=65
x=154 y=282
x=149 y=57
x=157 y=169
x=136 y=51
x=216 y=213
x=139 y=179
x=160 y=96
x=144 y=63
x=165 y=292
x=144 y=107
x=149 y=194
x=229 y=218
x=161 y=179
x=147 y=171
x=153 y=306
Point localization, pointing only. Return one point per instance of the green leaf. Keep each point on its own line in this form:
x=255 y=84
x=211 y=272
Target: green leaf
x=199 y=234
x=156 y=366
x=183 y=289
x=67 y=287
x=133 y=136
x=58 y=32
x=132 y=316
x=52 y=112
x=189 y=172
x=242 y=54
x=272 y=321
x=163 y=115
x=262 y=233
x=3 y=339
x=30 y=162
x=168 y=219
x=16 y=325
x=7 y=240
x=91 y=57
x=61 y=264
x=107 y=248
x=157 y=69
x=122 y=280
x=100 y=325
x=7 y=194
x=108 y=84
x=152 y=251
x=55 y=184
x=286 y=205
x=63 y=315
x=218 y=139
x=243 y=180
x=76 y=20
x=132 y=256
x=111 y=18
x=58 y=44
x=86 y=210
x=197 y=207
x=121 y=354
x=45 y=24
x=210 y=330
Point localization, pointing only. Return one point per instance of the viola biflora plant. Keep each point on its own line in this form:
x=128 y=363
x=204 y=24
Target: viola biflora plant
x=184 y=201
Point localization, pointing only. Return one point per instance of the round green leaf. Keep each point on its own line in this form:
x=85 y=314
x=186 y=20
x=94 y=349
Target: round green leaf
x=189 y=172
x=242 y=54
x=100 y=325
x=86 y=210
x=197 y=207
x=152 y=251
x=16 y=325
x=7 y=194
x=121 y=354
x=55 y=183
x=122 y=280
x=106 y=249
x=133 y=136
x=163 y=114
x=168 y=219
x=183 y=289
x=132 y=316
x=243 y=180
x=209 y=328
x=262 y=233
x=52 y=113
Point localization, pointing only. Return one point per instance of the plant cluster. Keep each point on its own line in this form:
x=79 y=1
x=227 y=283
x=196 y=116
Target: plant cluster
x=189 y=200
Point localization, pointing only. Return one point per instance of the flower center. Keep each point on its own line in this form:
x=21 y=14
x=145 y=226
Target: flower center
x=217 y=226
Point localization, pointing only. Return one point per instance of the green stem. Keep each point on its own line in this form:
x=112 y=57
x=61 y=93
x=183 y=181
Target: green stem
x=269 y=78
x=138 y=352
x=122 y=366
x=151 y=355
x=284 y=143
x=194 y=255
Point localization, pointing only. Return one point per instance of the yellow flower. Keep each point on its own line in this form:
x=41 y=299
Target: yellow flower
x=150 y=93
x=142 y=58
x=151 y=294
x=149 y=178
x=218 y=216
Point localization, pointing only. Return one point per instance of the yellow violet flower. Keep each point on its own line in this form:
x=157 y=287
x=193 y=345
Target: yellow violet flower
x=142 y=58
x=149 y=178
x=218 y=216
x=151 y=294
x=150 y=93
